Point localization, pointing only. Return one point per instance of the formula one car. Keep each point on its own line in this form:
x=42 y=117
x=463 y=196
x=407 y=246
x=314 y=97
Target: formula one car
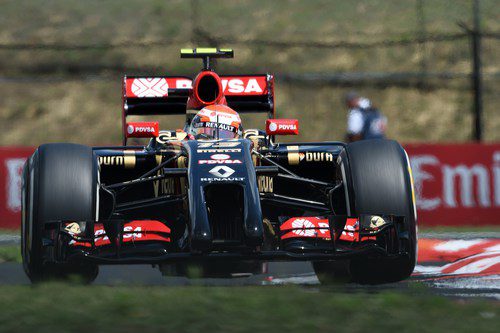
x=214 y=196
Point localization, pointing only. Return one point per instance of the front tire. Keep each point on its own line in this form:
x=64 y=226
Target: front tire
x=377 y=181
x=59 y=185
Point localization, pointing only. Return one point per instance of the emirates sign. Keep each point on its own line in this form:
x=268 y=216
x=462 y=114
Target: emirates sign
x=456 y=183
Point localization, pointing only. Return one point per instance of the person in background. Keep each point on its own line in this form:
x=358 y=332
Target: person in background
x=364 y=121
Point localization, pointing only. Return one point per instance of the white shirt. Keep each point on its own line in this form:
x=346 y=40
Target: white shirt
x=355 y=122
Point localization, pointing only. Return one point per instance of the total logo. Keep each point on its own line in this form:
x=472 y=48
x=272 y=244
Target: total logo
x=220 y=157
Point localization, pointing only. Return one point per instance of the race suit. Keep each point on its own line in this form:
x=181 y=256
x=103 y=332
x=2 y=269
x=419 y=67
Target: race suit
x=368 y=123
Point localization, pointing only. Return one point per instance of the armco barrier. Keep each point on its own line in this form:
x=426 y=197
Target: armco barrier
x=455 y=184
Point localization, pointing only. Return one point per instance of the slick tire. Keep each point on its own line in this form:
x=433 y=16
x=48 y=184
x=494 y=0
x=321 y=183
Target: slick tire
x=59 y=184
x=377 y=180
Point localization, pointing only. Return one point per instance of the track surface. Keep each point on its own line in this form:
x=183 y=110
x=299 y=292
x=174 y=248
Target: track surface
x=458 y=264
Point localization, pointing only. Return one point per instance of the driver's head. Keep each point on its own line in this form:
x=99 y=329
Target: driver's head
x=351 y=99
x=216 y=122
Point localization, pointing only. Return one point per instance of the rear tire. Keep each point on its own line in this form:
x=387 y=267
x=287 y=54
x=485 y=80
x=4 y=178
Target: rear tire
x=59 y=184
x=377 y=181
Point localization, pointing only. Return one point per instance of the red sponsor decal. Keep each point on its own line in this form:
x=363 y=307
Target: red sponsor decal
x=305 y=227
x=12 y=161
x=145 y=129
x=145 y=87
x=219 y=162
x=282 y=127
x=456 y=184
x=351 y=231
x=134 y=231
x=244 y=85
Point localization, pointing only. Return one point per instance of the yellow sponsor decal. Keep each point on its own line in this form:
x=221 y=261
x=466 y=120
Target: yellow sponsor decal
x=129 y=159
x=266 y=184
x=319 y=157
x=163 y=186
x=111 y=160
x=293 y=155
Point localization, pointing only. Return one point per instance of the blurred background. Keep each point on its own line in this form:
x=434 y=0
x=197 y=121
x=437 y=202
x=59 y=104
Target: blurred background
x=61 y=62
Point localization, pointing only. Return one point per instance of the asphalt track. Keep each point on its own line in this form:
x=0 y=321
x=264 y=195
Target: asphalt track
x=457 y=265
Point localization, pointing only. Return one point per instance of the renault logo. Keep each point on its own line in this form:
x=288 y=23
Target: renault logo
x=222 y=171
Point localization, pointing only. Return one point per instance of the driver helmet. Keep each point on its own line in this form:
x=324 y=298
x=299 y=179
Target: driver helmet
x=216 y=122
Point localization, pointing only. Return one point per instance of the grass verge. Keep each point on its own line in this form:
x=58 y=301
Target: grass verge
x=62 y=308
x=10 y=253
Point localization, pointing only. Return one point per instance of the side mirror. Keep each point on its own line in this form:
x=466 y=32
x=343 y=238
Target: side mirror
x=143 y=129
x=282 y=127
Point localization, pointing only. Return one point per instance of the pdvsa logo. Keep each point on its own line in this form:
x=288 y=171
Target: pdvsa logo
x=289 y=127
x=239 y=86
x=145 y=129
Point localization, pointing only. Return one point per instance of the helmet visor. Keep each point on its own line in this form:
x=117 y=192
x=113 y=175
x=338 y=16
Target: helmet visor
x=212 y=130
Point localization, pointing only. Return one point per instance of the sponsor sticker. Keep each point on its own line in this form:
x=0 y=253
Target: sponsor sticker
x=318 y=157
x=219 y=144
x=282 y=127
x=265 y=184
x=219 y=162
x=234 y=150
x=220 y=157
x=142 y=129
x=222 y=171
x=112 y=160
x=227 y=179
x=149 y=87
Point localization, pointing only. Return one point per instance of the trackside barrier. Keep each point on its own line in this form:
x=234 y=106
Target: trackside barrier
x=455 y=184
x=12 y=160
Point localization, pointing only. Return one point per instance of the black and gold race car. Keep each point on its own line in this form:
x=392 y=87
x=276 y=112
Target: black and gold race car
x=224 y=204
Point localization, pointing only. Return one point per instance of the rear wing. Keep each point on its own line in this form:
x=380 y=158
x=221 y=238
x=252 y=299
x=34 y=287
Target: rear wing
x=167 y=95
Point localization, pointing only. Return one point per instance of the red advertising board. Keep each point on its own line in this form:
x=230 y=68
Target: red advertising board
x=11 y=167
x=455 y=184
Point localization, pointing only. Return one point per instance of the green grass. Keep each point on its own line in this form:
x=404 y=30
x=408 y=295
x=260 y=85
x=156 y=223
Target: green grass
x=62 y=308
x=12 y=232
x=10 y=253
